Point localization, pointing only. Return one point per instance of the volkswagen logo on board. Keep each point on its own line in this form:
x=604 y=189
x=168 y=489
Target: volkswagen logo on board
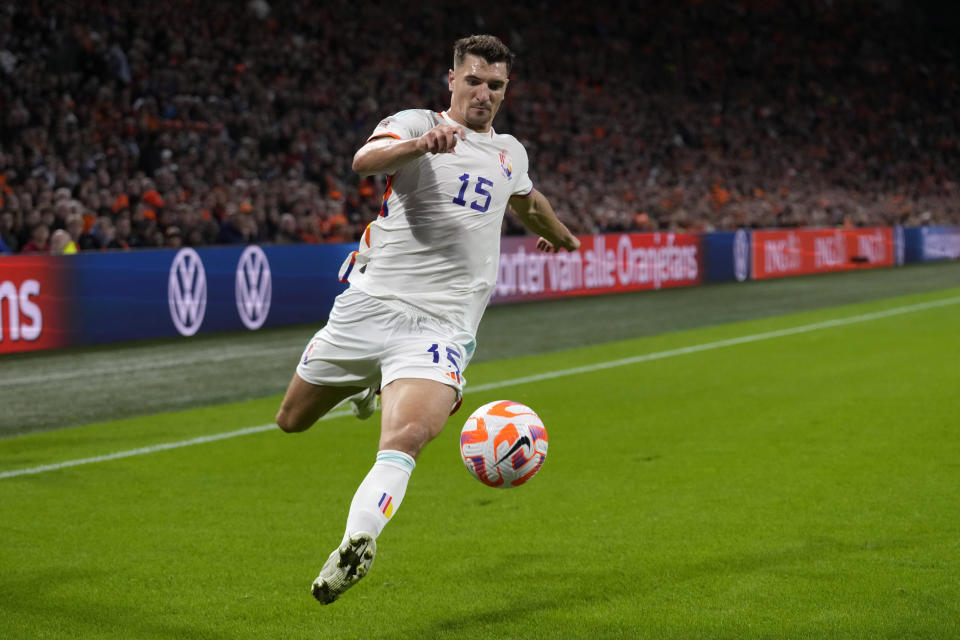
x=187 y=291
x=254 y=287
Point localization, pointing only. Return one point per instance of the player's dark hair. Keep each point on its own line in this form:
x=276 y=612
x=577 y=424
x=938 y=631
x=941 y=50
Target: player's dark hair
x=490 y=48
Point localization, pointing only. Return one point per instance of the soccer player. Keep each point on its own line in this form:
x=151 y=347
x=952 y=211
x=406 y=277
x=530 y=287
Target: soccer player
x=419 y=283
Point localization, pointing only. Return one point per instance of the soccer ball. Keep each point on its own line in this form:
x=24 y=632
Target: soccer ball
x=503 y=444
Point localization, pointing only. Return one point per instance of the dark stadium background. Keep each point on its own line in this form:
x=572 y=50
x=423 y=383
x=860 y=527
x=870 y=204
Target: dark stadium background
x=194 y=123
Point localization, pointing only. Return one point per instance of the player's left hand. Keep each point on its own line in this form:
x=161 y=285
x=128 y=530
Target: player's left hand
x=546 y=246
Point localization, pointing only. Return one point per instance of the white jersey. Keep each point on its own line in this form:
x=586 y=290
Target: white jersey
x=436 y=244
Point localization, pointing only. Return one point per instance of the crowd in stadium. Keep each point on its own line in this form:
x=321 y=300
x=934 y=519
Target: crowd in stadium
x=194 y=122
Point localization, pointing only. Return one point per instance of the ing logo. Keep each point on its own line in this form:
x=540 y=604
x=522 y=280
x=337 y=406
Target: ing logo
x=187 y=291
x=254 y=287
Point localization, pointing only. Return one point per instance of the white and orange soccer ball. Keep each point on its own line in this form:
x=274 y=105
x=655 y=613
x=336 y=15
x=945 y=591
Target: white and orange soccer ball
x=503 y=444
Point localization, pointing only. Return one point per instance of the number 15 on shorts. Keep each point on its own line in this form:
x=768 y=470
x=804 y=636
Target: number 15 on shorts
x=453 y=358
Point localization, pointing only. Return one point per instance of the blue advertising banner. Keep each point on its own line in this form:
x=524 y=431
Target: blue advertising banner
x=726 y=256
x=113 y=297
x=912 y=245
x=929 y=244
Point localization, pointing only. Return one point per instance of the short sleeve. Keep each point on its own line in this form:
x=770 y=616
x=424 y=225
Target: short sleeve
x=523 y=186
x=404 y=125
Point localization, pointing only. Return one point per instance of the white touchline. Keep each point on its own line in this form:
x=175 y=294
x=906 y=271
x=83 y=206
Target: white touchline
x=659 y=355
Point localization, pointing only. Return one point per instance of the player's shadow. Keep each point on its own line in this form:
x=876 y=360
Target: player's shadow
x=570 y=584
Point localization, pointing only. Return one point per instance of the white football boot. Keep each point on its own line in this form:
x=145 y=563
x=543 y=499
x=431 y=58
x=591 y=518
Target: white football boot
x=364 y=403
x=344 y=567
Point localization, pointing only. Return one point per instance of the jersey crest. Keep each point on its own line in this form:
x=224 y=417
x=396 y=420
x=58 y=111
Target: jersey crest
x=506 y=164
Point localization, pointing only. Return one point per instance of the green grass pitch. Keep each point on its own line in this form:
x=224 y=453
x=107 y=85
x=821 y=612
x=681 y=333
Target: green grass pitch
x=768 y=483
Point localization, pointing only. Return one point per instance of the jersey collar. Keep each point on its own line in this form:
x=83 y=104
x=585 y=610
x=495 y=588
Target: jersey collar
x=470 y=132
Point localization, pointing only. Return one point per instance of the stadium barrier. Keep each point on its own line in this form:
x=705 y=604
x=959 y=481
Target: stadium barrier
x=48 y=302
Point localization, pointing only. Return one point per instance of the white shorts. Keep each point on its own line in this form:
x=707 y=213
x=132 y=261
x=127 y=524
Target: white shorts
x=368 y=343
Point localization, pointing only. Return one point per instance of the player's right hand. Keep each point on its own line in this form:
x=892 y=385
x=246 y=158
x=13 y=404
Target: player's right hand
x=441 y=139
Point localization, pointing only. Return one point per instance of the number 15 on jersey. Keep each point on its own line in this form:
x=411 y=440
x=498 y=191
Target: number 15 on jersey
x=478 y=189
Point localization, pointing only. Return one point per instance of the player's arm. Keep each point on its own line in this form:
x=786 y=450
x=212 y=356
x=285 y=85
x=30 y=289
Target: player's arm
x=385 y=154
x=538 y=216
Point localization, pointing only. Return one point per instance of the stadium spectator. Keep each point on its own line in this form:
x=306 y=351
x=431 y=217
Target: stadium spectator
x=61 y=243
x=236 y=228
x=39 y=240
x=92 y=238
x=173 y=238
x=121 y=234
x=74 y=228
x=8 y=233
x=287 y=232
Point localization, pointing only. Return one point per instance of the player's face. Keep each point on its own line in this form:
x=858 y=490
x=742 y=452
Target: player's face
x=478 y=88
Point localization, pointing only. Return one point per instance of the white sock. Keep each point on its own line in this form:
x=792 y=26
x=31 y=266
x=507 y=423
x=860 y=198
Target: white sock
x=379 y=495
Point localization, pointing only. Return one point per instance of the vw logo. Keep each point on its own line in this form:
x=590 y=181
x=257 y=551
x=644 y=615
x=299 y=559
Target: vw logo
x=741 y=255
x=187 y=291
x=254 y=287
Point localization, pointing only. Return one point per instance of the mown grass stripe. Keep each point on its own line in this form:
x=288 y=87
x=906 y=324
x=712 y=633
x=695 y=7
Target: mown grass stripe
x=202 y=355
x=599 y=366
